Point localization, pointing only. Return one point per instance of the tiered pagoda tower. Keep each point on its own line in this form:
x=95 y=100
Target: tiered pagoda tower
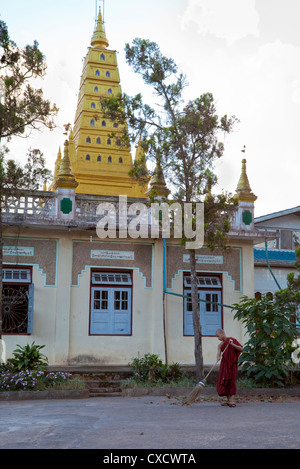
x=100 y=163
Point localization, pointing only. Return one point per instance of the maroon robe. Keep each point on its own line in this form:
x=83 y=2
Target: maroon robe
x=226 y=385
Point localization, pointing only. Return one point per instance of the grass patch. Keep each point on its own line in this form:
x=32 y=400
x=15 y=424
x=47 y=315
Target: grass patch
x=133 y=383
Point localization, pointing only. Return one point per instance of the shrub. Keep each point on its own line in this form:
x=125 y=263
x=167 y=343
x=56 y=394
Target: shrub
x=27 y=371
x=150 y=368
x=28 y=357
x=267 y=356
x=32 y=380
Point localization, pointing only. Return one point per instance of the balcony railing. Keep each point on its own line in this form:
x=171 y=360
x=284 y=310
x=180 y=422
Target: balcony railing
x=43 y=208
x=29 y=205
x=40 y=207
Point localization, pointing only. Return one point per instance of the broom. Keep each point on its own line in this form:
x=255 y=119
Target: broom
x=201 y=385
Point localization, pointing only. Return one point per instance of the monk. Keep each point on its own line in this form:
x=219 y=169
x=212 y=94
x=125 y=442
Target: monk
x=229 y=350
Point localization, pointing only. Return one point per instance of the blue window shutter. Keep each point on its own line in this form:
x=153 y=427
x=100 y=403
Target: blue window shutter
x=30 y=309
x=100 y=300
x=188 y=314
x=210 y=314
x=121 y=311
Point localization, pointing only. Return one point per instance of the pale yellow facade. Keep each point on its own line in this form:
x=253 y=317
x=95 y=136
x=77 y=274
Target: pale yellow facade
x=62 y=310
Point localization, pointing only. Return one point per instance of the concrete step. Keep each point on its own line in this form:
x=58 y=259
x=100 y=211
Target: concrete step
x=94 y=383
x=105 y=394
x=104 y=389
x=103 y=386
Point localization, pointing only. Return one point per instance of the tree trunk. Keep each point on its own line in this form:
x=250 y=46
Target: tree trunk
x=1 y=270
x=196 y=318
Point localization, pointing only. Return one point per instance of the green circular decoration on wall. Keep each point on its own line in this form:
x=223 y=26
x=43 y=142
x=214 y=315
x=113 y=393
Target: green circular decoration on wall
x=66 y=205
x=247 y=217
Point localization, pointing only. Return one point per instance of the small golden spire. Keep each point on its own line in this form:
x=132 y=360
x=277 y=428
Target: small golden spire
x=140 y=155
x=65 y=178
x=56 y=169
x=71 y=146
x=243 y=188
x=99 y=39
x=57 y=163
x=140 y=166
x=158 y=182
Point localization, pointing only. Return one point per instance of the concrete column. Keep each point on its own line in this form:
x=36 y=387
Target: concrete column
x=157 y=329
x=63 y=299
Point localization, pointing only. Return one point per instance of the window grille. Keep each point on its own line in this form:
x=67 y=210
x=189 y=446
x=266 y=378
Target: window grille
x=105 y=278
x=211 y=282
x=17 y=301
x=17 y=275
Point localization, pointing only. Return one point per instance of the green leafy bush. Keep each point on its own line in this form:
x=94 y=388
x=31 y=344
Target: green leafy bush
x=28 y=357
x=150 y=368
x=267 y=355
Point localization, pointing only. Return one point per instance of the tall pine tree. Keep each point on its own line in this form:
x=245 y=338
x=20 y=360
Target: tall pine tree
x=183 y=139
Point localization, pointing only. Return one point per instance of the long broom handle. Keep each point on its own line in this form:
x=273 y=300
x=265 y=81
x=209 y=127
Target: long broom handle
x=216 y=362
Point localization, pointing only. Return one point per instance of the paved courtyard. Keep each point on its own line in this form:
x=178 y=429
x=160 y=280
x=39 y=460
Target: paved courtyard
x=149 y=422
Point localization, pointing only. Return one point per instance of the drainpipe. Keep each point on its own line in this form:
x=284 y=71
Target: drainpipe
x=268 y=264
x=164 y=299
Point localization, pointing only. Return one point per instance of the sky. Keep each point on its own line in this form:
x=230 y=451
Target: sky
x=245 y=52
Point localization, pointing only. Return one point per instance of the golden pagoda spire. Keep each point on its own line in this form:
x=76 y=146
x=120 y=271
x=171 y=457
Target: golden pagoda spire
x=99 y=39
x=65 y=178
x=243 y=189
x=99 y=161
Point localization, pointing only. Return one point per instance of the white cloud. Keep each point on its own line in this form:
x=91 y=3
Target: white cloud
x=230 y=19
